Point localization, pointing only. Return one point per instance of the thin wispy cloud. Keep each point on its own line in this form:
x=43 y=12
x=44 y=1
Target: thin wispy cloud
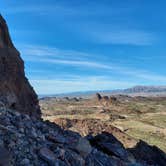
x=37 y=9
x=153 y=77
x=77 y=84
x=49 y=55
x=45 y=51
x=93 y=29
x=129 y=37
x=58 y=56
x=116 y=33
x=73 y=84
x=79 y=63
x=71 y=10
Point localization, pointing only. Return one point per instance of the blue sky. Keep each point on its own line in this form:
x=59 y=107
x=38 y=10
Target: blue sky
x=89 y=45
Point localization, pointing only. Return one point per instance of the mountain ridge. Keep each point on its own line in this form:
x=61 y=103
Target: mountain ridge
x=135 y=89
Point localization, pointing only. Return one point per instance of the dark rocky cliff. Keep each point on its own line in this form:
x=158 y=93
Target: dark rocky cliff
x=15 y=90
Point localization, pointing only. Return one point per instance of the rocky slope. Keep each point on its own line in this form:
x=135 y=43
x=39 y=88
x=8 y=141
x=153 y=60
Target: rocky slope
x=25 y=141
x=15 y=90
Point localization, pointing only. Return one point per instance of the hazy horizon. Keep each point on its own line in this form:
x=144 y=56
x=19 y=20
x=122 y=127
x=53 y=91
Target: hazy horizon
x=71 y=46
x=98 y=91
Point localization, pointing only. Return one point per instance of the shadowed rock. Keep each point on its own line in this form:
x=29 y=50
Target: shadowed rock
x=150 y=155
x=15 y=90
x=108 y=144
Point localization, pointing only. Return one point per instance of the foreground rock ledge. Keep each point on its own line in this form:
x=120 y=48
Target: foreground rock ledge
x=15 y=90
x=25 y=141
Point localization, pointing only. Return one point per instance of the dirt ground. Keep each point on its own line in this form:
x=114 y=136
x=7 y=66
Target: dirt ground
x=129 y=119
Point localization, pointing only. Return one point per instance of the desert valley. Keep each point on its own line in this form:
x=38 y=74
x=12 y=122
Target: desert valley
x=127 y=118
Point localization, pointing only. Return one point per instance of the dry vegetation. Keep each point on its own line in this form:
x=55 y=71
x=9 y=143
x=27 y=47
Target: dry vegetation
x=139 y=117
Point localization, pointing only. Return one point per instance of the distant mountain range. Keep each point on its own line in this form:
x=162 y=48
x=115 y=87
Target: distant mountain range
x=136 y=90
x=145 y=89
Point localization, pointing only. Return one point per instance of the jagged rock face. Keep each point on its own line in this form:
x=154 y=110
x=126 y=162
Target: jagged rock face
x=15 y=90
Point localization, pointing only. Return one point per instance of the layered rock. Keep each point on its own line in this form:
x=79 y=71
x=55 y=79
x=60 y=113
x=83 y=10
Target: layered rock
x=15 y=90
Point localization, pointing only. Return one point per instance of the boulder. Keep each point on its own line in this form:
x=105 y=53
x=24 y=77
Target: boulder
x=150 y=155
x=108 y=144
x=83 y=147
x=47 y=155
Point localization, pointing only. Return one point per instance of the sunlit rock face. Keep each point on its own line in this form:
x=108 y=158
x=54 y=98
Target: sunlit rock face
x=15 y=90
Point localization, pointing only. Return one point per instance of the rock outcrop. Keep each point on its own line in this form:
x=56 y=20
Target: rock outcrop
x=98 y=97
x=15 y=90
x=25 y=141
x=106 y=100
